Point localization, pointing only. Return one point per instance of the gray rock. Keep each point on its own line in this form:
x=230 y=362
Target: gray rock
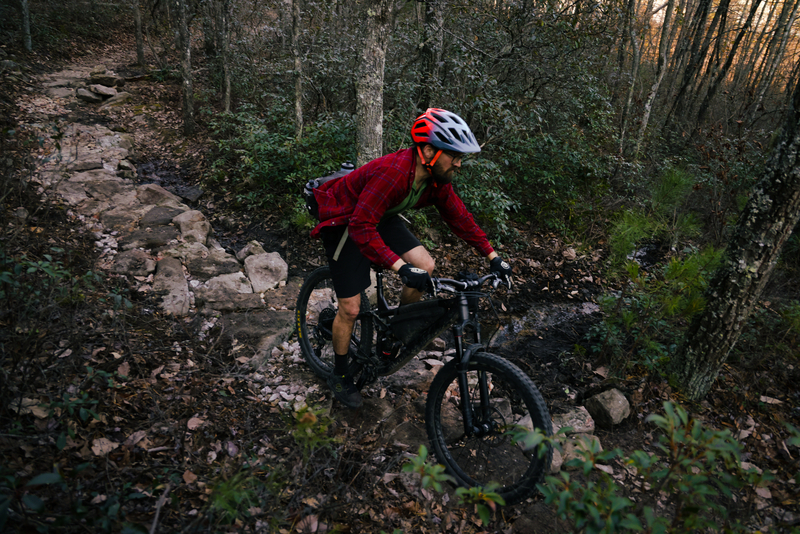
x=193 y=225
x=156 y=195
x=88 y=96
x=159 y=216
x=215 y=264
x=266 y=271
x=102 y=90
x=149 y=239
x=250 y=249
x=116 y=100
x=236 y=282
x=608 y=408
x=170 y=282
x=91 y=162
x=134 y=262
x=578 y=419
x=97 y=70
x=188 y=252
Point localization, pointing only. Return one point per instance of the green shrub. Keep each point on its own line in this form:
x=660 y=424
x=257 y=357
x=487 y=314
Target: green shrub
x=694 y=483
x=642 y=323
x=661 y=218
x=263 y=166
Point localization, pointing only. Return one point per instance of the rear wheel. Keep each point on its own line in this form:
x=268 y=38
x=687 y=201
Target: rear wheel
x=317 y=306
x=505 y=405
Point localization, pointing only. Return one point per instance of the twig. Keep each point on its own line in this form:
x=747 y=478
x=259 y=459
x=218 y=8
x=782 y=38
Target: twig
x=161 y=501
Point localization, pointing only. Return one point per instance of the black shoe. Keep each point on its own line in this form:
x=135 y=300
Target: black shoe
x=345 y=390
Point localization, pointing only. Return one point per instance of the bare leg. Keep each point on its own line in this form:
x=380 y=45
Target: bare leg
x=344 y=322
x=418 y=257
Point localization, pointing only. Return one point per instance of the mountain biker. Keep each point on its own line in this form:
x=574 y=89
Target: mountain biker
x=360 y=224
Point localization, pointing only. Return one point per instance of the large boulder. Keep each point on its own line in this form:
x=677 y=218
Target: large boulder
x=608 y=408
x=193 y=225
x=266 y=271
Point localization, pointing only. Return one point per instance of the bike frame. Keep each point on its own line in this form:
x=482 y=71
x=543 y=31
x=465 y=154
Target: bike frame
x=464 y=319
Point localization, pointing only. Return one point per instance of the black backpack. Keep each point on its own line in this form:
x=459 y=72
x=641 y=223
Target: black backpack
x=308 y=189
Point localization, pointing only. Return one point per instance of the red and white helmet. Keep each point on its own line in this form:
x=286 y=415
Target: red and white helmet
x=444 y=130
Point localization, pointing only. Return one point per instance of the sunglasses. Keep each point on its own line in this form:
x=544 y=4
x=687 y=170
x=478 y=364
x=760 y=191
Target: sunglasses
x=455 y=156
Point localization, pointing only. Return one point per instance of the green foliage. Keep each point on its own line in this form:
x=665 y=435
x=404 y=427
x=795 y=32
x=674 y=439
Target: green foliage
x=232 y=497
x=643 y=323
x=698 y=470
x=430 y=475
x=661 y=218
x=311 y=431
x=263 y=166
x=484 y=499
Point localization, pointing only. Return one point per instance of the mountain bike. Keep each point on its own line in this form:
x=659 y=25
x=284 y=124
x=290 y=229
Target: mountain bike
x=479 y=405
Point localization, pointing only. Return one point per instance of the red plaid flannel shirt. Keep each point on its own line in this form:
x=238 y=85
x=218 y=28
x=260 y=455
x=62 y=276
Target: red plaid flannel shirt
x=360 y=199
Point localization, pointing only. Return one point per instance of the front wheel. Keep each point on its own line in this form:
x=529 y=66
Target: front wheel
x=504 y=405
x=317 y=306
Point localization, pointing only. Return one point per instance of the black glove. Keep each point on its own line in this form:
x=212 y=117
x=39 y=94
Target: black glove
x=502 y=269
x=414 y=277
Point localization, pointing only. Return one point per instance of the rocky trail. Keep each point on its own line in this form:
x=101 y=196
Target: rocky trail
x=211 y=374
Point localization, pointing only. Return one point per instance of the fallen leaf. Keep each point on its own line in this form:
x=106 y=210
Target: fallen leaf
x=195 y=423
x=124 y=369
x=135 y=438
x=102 y=446
x=770 y=400
x=189 y=477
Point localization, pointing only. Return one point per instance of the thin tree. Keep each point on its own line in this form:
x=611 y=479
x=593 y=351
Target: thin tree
x=765 y=224
x=369 y=83
x=137 y=17
x=661 y=64
x=722 y=73
x=186 y=67
x=223 y=12
x=298 y=70
x=26 y=25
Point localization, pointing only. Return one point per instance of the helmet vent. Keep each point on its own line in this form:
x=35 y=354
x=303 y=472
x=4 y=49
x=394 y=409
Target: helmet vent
x=439 y=117
x=443 y=138
x=457 y=119
x=456 y=134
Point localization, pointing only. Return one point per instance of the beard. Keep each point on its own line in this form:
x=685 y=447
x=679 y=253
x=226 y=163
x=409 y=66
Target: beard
x=442 y=175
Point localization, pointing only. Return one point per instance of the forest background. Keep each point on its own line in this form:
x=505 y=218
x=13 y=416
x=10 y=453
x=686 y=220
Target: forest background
x=620 y=126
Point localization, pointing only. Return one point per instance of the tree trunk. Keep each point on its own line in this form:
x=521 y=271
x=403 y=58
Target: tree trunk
x=298 y=70
x=775 y=52
x=369 y=83
x=764 y=226
x=663 y=50
x=186 y=68
x=224 y=43
x=635 y=62
x=432 y=45
x=137 y=17
x=26 y=25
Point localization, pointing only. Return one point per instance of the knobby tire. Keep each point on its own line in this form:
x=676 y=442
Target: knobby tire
x=494 y=457
x=317 y=302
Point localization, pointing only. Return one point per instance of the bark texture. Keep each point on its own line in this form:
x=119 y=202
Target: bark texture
x=764 y=226
x=137 y=17
x=186 y=68
x=369 y=85
x=298 y=70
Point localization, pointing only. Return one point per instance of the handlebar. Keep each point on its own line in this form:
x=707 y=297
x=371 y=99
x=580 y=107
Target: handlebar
x=448 y=285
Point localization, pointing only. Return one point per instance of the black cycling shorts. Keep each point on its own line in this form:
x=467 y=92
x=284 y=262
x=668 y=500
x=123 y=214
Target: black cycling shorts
x=351 y=271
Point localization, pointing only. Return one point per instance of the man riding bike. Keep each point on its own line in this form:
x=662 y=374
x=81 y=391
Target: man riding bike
x=360 y=224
